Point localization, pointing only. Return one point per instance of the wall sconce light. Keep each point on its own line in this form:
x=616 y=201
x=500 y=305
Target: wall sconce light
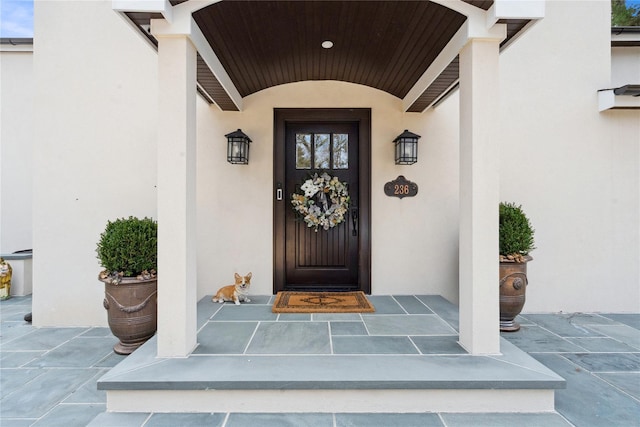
x=238 y=148
x=406 y=148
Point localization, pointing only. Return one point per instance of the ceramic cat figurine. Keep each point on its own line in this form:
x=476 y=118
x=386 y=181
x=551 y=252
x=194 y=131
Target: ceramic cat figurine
x=236 y=292
x=5 y=279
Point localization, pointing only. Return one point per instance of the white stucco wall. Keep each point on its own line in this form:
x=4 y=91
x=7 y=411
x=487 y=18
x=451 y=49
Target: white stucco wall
x=625 y=65
x=16 y=140
x=95 y=157
x=576 y=172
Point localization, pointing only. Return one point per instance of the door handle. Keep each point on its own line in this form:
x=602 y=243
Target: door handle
x=354 y=221
x=279 y=192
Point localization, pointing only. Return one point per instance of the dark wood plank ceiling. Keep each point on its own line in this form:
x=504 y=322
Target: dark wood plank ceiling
x=382 y=44
x=482 y=4
x=438 y=88
x=387 y=45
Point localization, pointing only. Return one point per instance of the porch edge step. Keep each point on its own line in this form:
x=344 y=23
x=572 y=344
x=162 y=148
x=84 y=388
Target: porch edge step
x=512 y=370
x=331 y=401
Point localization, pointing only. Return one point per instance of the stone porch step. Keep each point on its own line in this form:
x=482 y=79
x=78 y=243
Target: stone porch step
x=416 y=382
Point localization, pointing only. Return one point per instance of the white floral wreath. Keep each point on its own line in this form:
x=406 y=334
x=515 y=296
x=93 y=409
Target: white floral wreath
x=324 y=203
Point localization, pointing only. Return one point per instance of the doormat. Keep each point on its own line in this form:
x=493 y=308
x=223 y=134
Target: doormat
x=322 y=302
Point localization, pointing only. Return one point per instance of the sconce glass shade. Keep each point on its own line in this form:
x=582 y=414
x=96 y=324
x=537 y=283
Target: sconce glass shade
x=238 y=148
x=406 y=147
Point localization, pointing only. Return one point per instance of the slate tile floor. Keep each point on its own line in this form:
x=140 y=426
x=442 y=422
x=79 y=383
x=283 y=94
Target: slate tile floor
x=48 y=376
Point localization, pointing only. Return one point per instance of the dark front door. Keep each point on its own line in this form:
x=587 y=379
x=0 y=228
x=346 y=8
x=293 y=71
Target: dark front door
x=332 y=259
x=324 y=259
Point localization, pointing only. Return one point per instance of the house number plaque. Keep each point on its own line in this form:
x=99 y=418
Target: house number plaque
x=400 y=187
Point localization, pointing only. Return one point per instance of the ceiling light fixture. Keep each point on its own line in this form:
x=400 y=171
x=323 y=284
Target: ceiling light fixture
x=327 y=44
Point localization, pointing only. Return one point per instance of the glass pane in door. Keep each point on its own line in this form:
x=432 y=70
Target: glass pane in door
x=303 y=151
x=322 y=151
x=340 y=151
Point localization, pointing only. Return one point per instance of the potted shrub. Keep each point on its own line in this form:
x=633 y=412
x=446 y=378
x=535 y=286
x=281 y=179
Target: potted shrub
x=127 y=250
x=516 y=241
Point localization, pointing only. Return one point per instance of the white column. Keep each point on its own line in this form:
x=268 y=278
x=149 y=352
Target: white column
x=177 y=299
x=479 y=196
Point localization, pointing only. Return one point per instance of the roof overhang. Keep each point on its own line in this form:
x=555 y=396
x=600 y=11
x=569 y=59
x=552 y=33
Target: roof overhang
x=406 y=48
x=625 y=97
x=16 y=44
x=625 y=36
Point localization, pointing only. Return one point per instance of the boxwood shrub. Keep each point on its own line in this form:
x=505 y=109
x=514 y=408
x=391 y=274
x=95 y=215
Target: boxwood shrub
x=129 y=246
x=516 y=233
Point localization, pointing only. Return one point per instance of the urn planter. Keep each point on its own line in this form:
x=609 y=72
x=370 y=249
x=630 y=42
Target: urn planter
x=128 y=250
x=513 y=288
x=132 y=311
x=516 y=241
